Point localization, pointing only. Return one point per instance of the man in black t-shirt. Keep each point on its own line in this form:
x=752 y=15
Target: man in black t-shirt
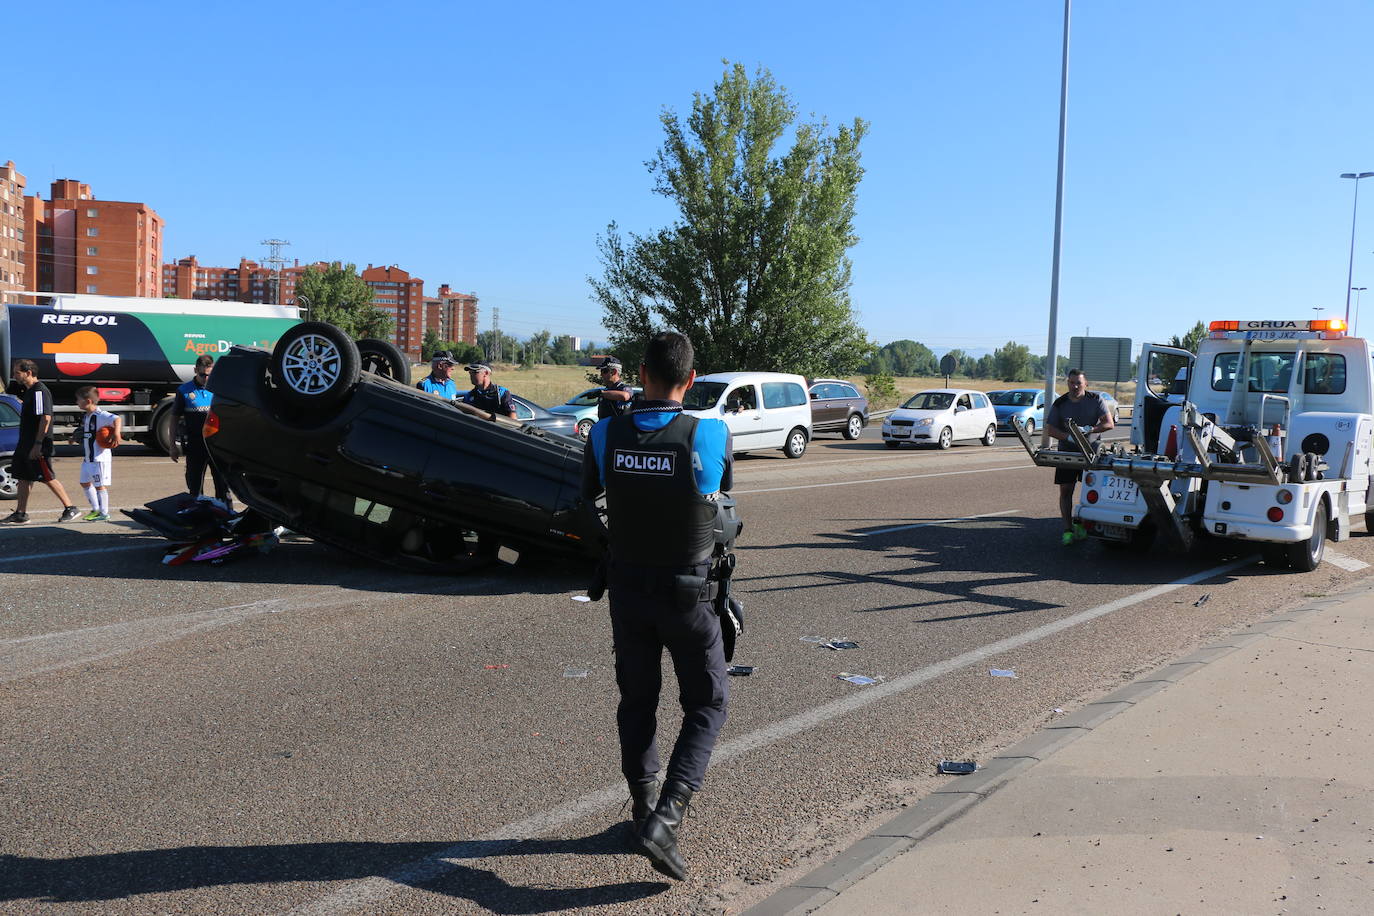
x=1084 y=409
x=33 y=455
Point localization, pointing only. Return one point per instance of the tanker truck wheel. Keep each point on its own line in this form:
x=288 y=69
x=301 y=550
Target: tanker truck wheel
x=315 y=365
x=384 y=358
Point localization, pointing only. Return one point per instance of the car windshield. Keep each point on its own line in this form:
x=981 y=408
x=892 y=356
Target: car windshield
x=702 y=395
x=585 y=399
x=930 y=400
x=1012 y=398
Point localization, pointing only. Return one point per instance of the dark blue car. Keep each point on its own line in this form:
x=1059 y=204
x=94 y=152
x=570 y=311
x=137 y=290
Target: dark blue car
x=9 y=438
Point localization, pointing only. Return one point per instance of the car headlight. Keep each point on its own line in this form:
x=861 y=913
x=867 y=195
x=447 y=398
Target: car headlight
x=923 y=422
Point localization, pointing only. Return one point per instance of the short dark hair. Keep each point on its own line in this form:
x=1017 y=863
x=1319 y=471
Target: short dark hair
x=1073 y=372
x=204 y=361
x=669 y=357
x=87 y=393
x=26 y=365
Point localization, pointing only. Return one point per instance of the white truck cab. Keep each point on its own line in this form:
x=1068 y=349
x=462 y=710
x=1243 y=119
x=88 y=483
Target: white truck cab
x=1271 y=443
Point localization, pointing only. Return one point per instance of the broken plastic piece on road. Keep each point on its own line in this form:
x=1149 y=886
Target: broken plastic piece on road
x=859 y=679
x=576 y=672
x=740 y=670
x=494 y=667
x=1001 y=672
x=956 y=767
x=580 y=598
x=818 y=639
x=838 y=644
x=1203 y=600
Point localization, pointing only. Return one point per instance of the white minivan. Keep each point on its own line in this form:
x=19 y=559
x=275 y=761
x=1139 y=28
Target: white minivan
x=762 y=409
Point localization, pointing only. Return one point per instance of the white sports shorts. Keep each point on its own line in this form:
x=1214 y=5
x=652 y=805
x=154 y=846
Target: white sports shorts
x=97 y=472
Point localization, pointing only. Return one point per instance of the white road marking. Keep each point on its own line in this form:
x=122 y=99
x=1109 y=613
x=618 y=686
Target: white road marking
x=85 y=552
x=1349 y=564
x=939 y=521
x=368 y=892
x=851 y=483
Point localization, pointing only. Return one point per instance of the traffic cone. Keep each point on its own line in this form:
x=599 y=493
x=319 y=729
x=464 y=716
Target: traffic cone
x=1171 y=444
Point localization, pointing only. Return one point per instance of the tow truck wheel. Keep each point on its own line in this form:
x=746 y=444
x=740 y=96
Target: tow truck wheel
x=315 y=365
x=1306 y=556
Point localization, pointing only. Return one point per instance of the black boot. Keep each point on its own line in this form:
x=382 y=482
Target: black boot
x=643 y=798
x=658 y=835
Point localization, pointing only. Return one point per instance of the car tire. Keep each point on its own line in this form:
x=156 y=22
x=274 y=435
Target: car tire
x=990 y=437
x=1306 y=556
x=890 y=444
x=584 y=427
x=946 y=438
x=315 y=365
x=854 y=427
x=384 y=358
x=1030 y=428
x=796 y=443
x=9 y=484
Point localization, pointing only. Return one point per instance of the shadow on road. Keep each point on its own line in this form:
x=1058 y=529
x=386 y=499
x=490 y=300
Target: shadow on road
x=117 y=875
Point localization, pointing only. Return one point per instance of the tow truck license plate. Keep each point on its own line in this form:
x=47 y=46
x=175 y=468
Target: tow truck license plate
x=1118 y=489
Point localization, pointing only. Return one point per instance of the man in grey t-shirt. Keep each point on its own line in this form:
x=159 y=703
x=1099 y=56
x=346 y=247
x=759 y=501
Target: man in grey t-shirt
x=1083 y=409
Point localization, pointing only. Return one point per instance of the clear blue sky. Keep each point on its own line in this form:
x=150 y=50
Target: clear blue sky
x=486 y=145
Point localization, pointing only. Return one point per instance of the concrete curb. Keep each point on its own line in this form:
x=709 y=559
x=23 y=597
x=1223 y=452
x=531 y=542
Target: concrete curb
x=959 y=795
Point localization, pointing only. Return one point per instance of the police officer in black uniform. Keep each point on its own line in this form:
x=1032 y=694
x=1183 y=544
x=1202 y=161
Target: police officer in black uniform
x=664 y=474
x=615 y=395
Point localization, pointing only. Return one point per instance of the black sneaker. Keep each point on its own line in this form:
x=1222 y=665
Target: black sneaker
x=70 y=513
x=15 y=518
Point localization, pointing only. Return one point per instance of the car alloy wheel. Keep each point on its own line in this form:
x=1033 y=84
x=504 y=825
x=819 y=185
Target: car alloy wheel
x=584 y=426
x=315 y=364
x=855 y=426
x=946 y=438
x=1030 y=427
x=990 y=437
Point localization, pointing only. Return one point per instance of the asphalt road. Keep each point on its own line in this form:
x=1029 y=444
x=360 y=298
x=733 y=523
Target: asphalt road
x=307 y=733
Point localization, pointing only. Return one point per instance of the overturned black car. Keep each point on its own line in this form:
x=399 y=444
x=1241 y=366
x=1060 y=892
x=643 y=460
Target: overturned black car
x=333 y=443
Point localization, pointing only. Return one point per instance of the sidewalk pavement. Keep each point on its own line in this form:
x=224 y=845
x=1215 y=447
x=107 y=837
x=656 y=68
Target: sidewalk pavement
x=1237 y=780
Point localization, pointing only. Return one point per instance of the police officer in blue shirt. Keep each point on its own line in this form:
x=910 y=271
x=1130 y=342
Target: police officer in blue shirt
x=663 y=473
x=189 y=410
x=439 y=381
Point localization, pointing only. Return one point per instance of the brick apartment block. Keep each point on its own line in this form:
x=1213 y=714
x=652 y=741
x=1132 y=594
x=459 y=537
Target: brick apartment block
x=12 y=254
x=78 y=244
x=452 y=315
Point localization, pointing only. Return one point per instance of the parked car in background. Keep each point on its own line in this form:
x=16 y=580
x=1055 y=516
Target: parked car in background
x=762 y=409
x=1024 y=404
x=941 y=417
x=1109 y=402
x=531 y=414
x=582 y=408
x=837 y=407
x=9 y=439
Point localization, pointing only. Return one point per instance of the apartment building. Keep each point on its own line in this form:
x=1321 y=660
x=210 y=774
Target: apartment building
x=12 y=255
x=250 y=281
x=402 y=296
x=452 y=315
x=77 y=243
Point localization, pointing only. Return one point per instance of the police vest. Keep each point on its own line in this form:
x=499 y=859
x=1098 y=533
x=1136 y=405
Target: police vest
x=605 y=408
x=657 y=515
x=488 y=399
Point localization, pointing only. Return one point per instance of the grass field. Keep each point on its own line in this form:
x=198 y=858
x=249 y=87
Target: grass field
x=550 y=385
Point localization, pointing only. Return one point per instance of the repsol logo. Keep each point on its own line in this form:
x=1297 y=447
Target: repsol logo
x=660 y=463
x=108 y=320
x=200 y=348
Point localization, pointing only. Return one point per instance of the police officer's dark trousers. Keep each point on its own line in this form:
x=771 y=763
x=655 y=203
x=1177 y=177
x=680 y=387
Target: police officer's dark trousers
x=649 y=613
x=197 y=460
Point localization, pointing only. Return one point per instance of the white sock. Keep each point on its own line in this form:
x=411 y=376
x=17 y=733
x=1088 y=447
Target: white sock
x=104 y=500
x=91 y=497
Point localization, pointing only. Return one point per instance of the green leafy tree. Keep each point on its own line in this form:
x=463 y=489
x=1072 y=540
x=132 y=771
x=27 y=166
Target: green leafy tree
x=1013 y=362
x=337 y=294
x=986 y=367
x=754 y=270
x=1190 y=340
x=535 y=350
x=563 y=353
x=882 y=391
x=430 y=343
x=497 y=347
x=904 y=357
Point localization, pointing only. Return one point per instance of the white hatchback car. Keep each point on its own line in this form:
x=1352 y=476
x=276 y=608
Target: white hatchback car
x=941 y=416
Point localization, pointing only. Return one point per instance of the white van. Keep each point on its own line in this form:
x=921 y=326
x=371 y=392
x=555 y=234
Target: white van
x=762 y=409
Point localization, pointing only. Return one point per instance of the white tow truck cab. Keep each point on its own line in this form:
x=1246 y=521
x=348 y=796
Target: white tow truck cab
x=1272 y=444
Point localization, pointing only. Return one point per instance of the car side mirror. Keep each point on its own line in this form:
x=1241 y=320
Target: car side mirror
x=960 y=409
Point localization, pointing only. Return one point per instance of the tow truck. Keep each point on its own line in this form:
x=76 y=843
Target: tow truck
x=1272 y=443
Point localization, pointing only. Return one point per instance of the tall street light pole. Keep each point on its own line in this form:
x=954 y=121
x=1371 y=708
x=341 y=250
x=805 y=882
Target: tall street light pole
x=1350 y=270
x=1052 y=360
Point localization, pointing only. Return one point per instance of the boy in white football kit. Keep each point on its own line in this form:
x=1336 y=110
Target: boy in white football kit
x=96 y=460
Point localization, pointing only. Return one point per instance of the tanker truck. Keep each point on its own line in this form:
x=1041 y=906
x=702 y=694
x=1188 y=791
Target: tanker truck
x=135 y=351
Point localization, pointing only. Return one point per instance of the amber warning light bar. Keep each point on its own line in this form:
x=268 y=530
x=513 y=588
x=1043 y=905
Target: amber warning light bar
x=1322 y=324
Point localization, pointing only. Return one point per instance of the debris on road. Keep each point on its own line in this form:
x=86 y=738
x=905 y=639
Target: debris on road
x=494 y=667
x=838 y=644
x=581 y=598
x=860 y=679
x=1001 y=672
x=1203 y=600
x=740 y=670
x=956 y=767
x=576 y=672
